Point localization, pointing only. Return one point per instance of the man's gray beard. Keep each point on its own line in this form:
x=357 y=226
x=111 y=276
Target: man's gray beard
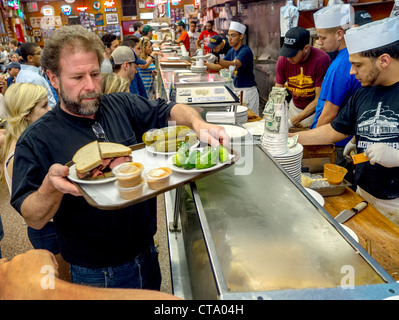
x=77 y=108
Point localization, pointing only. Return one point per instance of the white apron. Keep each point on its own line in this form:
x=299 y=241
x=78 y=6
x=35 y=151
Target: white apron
x=250 y=98
x=389 y=208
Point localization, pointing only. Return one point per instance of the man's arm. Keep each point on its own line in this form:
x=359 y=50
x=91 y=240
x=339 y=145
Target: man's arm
x=209 y=133
x=322 y=135
x=330 y=111
x=214 y=66
x=308 y=111
x=227 y=64
x=23 y=278
x=40 y=206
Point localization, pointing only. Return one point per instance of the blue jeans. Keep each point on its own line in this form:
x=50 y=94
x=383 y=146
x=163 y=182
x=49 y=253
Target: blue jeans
x=142 y=273
x=45 y=238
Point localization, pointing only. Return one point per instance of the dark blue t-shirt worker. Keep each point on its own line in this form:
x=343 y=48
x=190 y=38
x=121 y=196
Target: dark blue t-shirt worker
x=239 y=61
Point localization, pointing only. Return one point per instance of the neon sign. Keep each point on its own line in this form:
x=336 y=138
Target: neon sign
x=109 y=3
x=96 y=5
x=149 y=5
x=81 y=9
x=66 y=9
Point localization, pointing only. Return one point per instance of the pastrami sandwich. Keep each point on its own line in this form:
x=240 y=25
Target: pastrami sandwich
x=96 y=159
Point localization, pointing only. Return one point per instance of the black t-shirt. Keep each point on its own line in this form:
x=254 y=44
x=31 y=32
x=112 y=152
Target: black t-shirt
x=88 y=236
x=372 y=114
x=222 y=53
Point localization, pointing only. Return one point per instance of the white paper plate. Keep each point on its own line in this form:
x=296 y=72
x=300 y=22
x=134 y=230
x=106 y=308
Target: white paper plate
x=173 y=63
x=151 y=148
x=350 y=231
x=73 y=176
x=317 y=196
x=170 y=164
x=234 y=131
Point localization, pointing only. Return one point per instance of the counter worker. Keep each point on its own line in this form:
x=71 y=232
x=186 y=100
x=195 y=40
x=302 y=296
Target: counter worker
x=220 y=46
x=184 y=37
x=193 y=35
x=361 y=18
x=372 y=114
x=338 y=85
x=146 y=31
x=205 y=37
x=301 y=68
x=112 y=247
x=240 y=61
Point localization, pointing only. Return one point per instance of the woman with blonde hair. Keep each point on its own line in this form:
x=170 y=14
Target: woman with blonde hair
x=148 y=71
x=112 y=83
x=24 y=104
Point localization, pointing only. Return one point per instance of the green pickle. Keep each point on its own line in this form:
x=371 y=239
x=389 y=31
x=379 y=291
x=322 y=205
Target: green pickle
x=192 y=160
x=223 y=153
x=164 y=134
x=208 y=158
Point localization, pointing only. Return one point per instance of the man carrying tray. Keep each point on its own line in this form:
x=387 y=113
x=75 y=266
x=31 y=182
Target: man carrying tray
x=104 y=248
x=371 y=114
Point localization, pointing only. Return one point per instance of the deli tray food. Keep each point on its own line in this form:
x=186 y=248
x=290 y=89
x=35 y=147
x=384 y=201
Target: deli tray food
x=106 y=196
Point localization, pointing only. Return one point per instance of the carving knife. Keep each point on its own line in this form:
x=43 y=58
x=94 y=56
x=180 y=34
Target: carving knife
x=347 y=214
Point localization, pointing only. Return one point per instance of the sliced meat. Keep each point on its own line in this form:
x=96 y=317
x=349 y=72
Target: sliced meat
x=119 y=160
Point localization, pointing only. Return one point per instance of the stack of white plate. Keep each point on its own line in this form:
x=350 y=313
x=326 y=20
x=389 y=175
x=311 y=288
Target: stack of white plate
x=275 y=144
x=241 y=115
x=291 y=161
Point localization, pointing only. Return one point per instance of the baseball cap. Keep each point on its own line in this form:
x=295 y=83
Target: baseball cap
x=362 y=17
x=295 y=39
x=147 y=28
x=13 y=65
x=215 y=41
x=181 y=23
x=125 y=54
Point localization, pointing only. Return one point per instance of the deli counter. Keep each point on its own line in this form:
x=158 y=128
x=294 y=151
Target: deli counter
x=251 y=231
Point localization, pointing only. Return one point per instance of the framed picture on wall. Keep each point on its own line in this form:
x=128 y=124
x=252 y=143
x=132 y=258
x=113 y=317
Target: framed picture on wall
x=99 y=19
x=112 y=18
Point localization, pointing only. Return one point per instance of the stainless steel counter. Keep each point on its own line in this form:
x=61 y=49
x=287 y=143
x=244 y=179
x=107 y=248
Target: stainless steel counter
x=252 y=232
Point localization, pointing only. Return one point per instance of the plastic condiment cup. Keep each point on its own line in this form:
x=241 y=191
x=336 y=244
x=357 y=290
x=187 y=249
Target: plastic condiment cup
x=128 y=174
x=132 y=192
x=157 y=178
x=334 y=173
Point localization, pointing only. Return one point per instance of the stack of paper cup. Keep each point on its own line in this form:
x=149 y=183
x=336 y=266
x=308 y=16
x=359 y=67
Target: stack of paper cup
x=275 y=135
x=241 y=115
x=291 y=161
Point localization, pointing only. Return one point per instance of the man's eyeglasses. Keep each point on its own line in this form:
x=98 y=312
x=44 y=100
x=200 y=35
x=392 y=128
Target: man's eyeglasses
x=99 y=131
x=232 y=35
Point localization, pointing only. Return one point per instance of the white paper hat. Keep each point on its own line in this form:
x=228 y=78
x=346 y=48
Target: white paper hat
x=338 y=15
x=372 y=35
x=239 y=27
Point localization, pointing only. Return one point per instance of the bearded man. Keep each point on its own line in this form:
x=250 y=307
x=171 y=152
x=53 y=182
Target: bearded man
x=104 y=248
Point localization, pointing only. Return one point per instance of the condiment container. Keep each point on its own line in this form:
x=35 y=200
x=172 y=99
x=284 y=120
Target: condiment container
x=157 y=178
x=132 y=192
x=128 y=174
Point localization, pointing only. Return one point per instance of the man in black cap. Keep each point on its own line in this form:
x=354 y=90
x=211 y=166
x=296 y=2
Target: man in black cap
x=301 y=69
x=13 y=70
x=220 y=46
x=362 y=17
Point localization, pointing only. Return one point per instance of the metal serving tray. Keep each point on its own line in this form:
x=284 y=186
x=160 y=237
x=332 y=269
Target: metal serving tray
x=106 y=196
